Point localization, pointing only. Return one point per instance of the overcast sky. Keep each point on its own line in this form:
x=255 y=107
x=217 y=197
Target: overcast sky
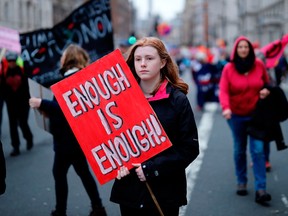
x=167 y=9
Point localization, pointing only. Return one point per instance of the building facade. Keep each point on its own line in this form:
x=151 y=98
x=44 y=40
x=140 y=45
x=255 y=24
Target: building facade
x=201 y=22
x=31 y=15
x=26 y=15
x=204 y=21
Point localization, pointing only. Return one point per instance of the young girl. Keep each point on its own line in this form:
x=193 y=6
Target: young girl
x=159 y=80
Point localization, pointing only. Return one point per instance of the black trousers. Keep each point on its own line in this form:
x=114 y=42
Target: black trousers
x=62 y=162
x=167 y=211
x=18 y=116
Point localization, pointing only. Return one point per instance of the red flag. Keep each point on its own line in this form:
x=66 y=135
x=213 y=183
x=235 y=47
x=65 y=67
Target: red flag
x=273 y=51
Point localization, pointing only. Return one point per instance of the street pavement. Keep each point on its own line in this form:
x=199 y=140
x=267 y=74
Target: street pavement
x=211 y=179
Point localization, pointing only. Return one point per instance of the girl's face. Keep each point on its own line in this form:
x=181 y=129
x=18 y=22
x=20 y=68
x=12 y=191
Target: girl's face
x=243 y=49
x=148 y=63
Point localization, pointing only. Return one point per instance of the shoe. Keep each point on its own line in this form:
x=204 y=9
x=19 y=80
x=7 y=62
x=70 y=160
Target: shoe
x=282 y=147
x=15 y=152
x=242 y=190
x=262 y=197
x=268 y=166
x=98 y=211
x=57 y=213
x=29 y=146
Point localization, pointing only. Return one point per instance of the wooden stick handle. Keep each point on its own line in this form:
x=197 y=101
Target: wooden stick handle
x=154 y=199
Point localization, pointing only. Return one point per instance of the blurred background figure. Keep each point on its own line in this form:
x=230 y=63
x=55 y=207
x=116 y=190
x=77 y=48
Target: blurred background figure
x=281 y=70
x=124 y=46
x=243 y=82
x=1 y=94
x=16 y=95
x=203 y=74
x=66 y=147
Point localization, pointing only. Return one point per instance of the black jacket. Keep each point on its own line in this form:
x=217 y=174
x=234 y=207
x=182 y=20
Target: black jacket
x=165 y=172
x=2 y=170
x=265 y=122
x=64 y=139
x=17 y=96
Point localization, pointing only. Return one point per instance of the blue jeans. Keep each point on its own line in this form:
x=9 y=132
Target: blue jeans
x=238 y=125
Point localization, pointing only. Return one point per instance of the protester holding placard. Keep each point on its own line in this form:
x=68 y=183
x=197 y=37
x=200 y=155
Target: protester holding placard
x=66 y=147
x=164 y=174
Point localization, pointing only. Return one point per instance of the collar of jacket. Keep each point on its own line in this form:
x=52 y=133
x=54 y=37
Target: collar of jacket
x=71 y=71
x=162 y=93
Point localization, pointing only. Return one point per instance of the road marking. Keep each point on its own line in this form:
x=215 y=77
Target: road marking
x=284 y=200
x=204 y=131
x=275 y=177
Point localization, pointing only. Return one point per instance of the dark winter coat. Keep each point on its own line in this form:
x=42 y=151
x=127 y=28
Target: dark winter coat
x=165 y=172
x=64 y=139
x=15 y=87
x=265 y=122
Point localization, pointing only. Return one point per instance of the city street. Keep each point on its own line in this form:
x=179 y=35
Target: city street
x=211 y=179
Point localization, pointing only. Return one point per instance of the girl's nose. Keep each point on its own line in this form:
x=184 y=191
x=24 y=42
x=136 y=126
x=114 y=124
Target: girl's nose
x=143 y=62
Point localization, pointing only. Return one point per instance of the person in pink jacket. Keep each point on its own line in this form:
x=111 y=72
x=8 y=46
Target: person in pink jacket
x=244 y=80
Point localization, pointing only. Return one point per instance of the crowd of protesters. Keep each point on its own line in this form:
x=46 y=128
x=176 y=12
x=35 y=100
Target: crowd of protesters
x=206 y=65
x=251 y=99
x=211 y=72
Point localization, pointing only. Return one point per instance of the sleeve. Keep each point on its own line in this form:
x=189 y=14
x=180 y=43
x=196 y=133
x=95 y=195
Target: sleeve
x=224 y=89
x=185 y=146
x=50 y=107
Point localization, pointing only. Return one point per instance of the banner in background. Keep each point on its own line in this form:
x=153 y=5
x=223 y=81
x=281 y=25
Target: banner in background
x=89 y=26
x=9 y=39
x=110 y=116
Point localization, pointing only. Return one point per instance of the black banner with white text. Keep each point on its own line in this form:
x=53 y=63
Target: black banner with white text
x=89 y=26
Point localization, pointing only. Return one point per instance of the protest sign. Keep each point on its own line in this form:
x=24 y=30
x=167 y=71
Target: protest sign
x=10 y=39
x=110 y=116
x=89 y=26
x=39 y=91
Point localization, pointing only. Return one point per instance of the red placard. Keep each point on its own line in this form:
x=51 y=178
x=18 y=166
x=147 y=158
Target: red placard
x=110 y=117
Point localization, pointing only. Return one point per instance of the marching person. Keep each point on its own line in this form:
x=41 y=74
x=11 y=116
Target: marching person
x=243 y=82
x=158 y=77
x=67 y=150
x=16 y=95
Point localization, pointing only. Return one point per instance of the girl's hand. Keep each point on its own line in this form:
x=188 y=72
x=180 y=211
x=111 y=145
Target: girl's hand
x=122 y=172
x=139 y=172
